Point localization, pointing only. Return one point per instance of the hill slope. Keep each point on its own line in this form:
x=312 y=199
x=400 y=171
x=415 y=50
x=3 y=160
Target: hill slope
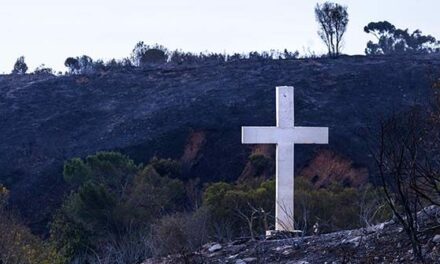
x=191 y=113
x=383 y=243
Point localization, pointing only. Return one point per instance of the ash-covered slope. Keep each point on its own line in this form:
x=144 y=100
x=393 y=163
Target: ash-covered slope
x=383 y=243
x=191 y=113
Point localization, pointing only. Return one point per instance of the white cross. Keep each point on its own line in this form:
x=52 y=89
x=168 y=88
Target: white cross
x=284 y=135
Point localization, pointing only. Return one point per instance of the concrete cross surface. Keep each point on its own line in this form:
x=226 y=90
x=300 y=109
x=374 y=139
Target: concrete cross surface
x=285 y=134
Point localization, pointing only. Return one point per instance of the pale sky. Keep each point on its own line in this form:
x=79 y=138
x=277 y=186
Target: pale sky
x=49 y=31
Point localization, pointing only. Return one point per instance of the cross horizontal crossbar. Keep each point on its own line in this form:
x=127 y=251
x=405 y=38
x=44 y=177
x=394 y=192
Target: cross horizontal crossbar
x=279 y=135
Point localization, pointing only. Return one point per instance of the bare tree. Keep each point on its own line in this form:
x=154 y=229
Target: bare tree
x=371 y=205
x=194 y=193
x=333 y=21
x=249 y=218
x=408 y=167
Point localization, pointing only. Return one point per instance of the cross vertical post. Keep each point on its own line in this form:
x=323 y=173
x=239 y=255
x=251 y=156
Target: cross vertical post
x=284 y=157
x=284 y=135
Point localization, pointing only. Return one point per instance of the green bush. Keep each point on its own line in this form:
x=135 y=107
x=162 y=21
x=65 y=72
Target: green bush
x=122 y=212
x=249 y=211
x=113 y=198
x=69 y=237
x=337 y=207
x=146 y=55
x=240 y=209
x=260 y=163
x=18 y=244
x=167 y=167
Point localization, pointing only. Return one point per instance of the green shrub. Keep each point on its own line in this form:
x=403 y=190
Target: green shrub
x=239 y=208
x=260 y=163
x=167 y=167
x=337 y=207
x=146 y=55
x=180 y=233
x=69 y=237
x=18 y=244
x=112 y=169
x=113 y=198
x=250 y=211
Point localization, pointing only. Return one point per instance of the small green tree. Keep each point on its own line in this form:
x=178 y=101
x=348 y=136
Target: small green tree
x=72 y=64
x=145 y=55
x=20 y=66
x=392 y=40
x=43 y=70
x=83 y=65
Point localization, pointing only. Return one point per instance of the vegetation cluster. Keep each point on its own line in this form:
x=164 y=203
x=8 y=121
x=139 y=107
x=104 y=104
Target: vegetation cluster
x=332 y=19
x=121 y=212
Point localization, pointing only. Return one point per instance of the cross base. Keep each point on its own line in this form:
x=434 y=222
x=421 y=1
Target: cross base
x=278 y=234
